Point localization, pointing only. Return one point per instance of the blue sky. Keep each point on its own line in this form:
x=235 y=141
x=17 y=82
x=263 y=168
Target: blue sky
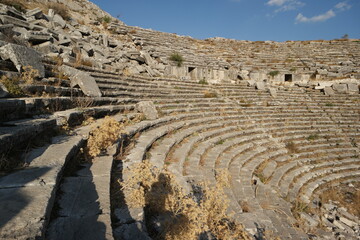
x=255 y=20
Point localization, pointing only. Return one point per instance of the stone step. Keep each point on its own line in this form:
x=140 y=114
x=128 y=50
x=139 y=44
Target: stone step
x=84 y=204
x=17 y=133
x=306 y=167
x=313 y=176
x=41 y=90
x=28 y=194
x=306 y=195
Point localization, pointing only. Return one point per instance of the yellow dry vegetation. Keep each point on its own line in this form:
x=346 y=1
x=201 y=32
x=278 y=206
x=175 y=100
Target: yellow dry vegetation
x=186 y=216
x=104 y=136
x=29 y=74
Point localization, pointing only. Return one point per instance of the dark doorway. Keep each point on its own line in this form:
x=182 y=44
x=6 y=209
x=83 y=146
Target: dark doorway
x=239 y=78
x=190 y=69
x=288 y=78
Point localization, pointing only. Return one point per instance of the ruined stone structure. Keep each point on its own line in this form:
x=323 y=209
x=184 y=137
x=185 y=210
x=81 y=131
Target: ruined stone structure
x=281 y=118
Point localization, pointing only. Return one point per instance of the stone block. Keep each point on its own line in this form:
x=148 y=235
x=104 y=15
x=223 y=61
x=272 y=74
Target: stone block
x=38 y=37
x=59 y=21
x=11 y=20
x=340 y=87
x=329 y=91
x=273 y=92
x=148 y=109
x=3 y=91
x=22 y=56
x=46 y=48
x=322 y=85
x=251 y=83
x=148 y=59
x=37 y=13
x=353 y=88
x=260 y=86
x=86 y=82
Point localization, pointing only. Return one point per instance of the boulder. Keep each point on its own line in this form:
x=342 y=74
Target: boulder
x=340 y=87
x=148 y=109
x=86 y=82
x=3 y=91
x=22 y=56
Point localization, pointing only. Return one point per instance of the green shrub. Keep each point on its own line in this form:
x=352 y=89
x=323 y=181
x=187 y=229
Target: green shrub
x=176 y=57
x=203 y=82
x=106 y=19
x=273 y=73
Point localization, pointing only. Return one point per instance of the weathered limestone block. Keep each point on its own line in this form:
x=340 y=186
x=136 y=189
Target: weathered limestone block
x=148 y=109
x=59 y=21
x=37 y=13
x=260 y=85
x=322 y=85
x=251 y=83
x=273 y=92
x=38 y=37
x=47 y=47
x=22 y=56
x=353 y=88
x=148 y=59
x=11 y=20
x=86 y=82
x=329 y=91
x=340 y=87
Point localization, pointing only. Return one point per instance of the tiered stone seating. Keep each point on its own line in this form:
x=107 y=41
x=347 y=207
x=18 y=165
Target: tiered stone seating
x=248 y=132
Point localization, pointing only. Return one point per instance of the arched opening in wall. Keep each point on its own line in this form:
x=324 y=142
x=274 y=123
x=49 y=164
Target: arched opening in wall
x=239 y=78
x=288 y=77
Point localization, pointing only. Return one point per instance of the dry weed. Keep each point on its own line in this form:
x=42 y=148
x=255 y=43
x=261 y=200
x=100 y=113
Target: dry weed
x=182 y=217
x=208 y=94
x=12 y=85
x=104 y=136
x=29 y=74
x=83 y=102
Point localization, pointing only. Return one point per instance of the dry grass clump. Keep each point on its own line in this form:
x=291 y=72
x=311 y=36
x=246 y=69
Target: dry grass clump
x=104 y=136
x=209 y=94
x=19 y=5
x=291 y=147
x=60 y=9
x=12 y=85
x=179 y=215
x=29 y=74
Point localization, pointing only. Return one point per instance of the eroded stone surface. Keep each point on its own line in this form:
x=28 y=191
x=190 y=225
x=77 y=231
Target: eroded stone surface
x=22 y=56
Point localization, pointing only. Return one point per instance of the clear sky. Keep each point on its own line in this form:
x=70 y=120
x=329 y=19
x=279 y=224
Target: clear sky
x=255 y=20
